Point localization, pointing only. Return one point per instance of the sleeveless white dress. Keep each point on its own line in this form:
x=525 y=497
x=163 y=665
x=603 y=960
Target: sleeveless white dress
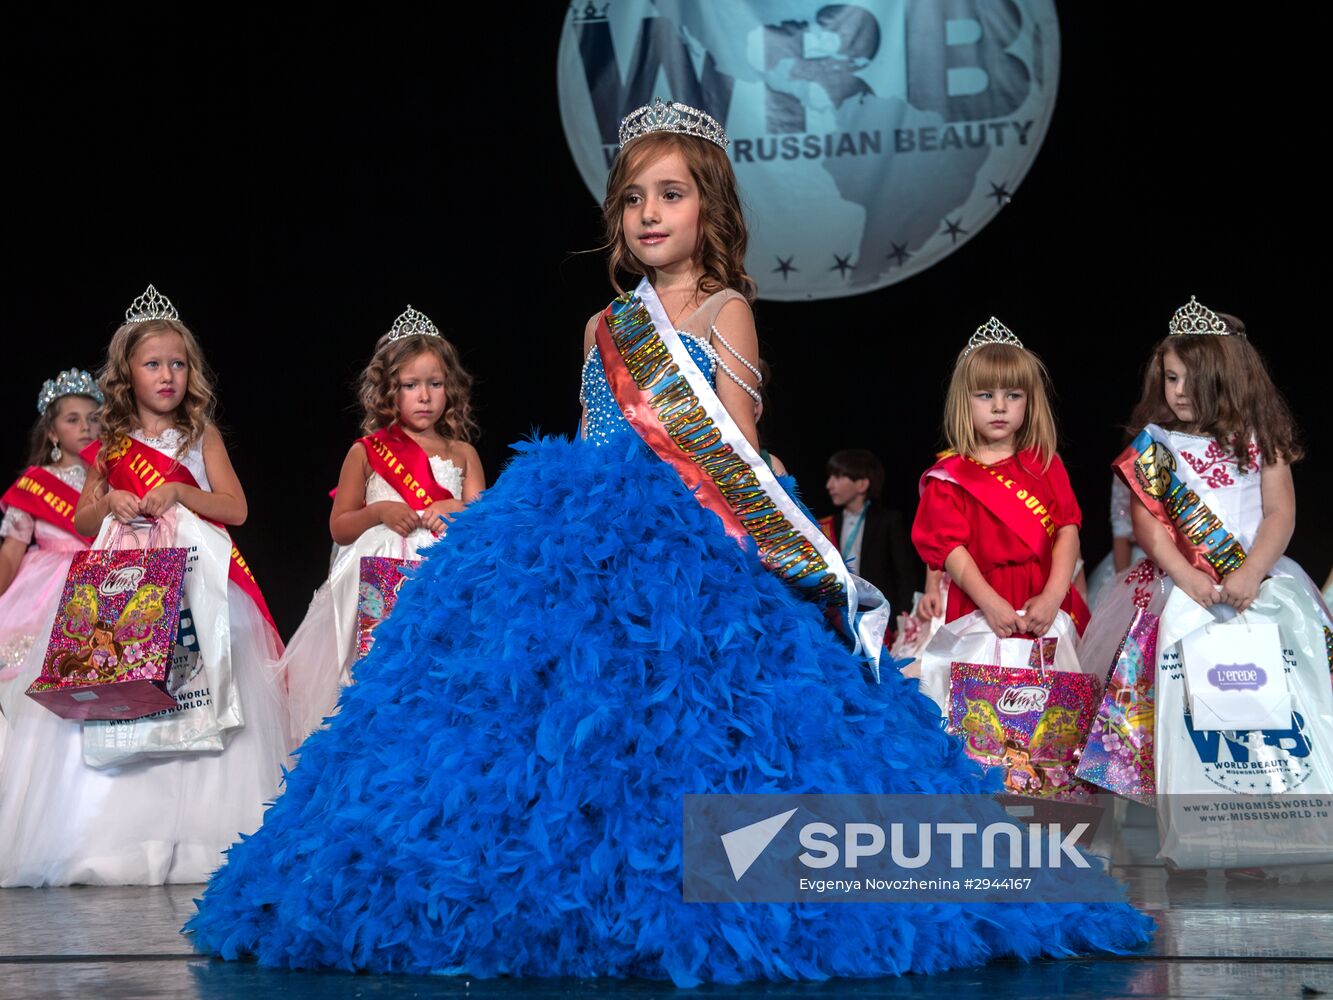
x=320 y=657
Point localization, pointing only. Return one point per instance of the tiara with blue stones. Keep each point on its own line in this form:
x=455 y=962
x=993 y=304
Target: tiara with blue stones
x=1195 y=318
x=991 y=332
x=411 y=323
x=674 y=117
x=75 y=382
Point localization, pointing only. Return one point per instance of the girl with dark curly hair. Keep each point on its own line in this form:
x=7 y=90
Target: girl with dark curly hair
x=400 y=486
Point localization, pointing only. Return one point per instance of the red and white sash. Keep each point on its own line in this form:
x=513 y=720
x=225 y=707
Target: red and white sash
x=134 y=466
x=405 y=466
x=46 y=497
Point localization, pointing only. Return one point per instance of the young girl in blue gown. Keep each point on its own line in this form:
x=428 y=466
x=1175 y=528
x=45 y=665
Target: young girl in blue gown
x=501 y=791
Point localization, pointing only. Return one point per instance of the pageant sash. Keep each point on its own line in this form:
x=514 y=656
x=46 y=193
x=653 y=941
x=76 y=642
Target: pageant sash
x=1018 y=508
x=46 y=497
x=404 y=464
x=670 y=403
x=134 y=466
x=1171 y=492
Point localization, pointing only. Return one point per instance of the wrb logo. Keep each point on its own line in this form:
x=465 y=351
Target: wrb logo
x=1215 y=746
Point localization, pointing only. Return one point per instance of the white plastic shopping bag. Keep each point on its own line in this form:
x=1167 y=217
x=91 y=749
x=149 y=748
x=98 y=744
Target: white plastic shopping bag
x=208 y=704
x=970 y=640
x=1235 y=676
x=1240 y=798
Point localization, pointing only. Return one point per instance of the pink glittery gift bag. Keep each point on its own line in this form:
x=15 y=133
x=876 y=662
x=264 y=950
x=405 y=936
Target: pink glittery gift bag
x=111 y=646
x=1032 y=722
x=381 y=579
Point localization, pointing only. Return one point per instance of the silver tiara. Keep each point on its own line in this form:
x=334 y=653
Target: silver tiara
x=992 y=332
x=412 y=324
x=674 y=117
x=151 y=305
x=1194 y=317
x=75 y=382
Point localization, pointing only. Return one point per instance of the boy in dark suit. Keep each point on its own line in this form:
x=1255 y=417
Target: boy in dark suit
x=872 y=538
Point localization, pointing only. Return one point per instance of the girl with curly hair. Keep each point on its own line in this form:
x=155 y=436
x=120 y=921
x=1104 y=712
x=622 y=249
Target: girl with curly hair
x=399 y=488
x=72 y=810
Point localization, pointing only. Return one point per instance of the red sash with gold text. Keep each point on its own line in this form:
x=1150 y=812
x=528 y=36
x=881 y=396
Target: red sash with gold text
x=404 y=464
x=1016 y=506
x=138 y=468
x=46 y=497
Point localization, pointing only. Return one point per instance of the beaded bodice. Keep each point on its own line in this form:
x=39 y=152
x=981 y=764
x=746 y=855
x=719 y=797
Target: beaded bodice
x=605 y=420
x=697 y=331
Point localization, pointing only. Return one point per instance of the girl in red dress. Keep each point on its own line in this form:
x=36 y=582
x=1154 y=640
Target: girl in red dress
x=997 y=512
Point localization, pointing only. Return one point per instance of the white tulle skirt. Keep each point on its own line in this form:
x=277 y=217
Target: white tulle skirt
x=322 y=653
x=26 y=609
x=153 y=821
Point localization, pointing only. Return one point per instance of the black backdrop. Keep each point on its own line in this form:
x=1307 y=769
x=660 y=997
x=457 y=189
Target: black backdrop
x=293 y=181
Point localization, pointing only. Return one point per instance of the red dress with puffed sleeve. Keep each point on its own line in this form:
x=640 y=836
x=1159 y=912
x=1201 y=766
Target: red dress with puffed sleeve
x=949 y=515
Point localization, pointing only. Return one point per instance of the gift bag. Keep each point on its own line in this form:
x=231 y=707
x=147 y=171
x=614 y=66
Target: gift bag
x=381 y=579
x=1273 y=786
x=207 y=705
x=1120 y=644
x=1030 y=721
x=1235 y=676
x=109 y=655
x=970 y=640
x=1119 y=753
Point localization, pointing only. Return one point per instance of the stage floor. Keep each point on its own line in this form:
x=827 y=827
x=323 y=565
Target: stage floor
x=1216 y=938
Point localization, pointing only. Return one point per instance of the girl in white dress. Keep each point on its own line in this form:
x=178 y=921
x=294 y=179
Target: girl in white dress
x=399 y=487
x=158 y=799
x=37 y=536
x=1213 y=508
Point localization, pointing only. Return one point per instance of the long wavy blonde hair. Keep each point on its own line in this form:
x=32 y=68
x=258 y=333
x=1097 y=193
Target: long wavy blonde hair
x=1001 y=366
x=378 y=388
x=723 y=236
x=120 y=411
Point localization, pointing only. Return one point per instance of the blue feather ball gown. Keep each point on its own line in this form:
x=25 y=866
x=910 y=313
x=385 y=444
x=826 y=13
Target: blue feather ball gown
x=500 y=792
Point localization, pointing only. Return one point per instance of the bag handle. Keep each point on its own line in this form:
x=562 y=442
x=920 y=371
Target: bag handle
x=1040 y=645
x=1238 y=620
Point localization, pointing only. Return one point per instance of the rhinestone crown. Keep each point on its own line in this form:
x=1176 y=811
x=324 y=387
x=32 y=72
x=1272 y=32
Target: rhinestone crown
x=151 y=305
x=412 y=324
x=1194 y=318
x=991 y=332
x=674 y=117
x=75 y=382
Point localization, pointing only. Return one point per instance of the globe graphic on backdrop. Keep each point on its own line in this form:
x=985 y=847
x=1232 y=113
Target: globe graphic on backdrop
x=870 y=140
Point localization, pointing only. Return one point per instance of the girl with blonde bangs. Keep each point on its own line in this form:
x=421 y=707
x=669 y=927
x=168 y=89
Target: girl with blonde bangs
x=400 y=487
x=997 y=511
x=989 y=366
x=72 y=809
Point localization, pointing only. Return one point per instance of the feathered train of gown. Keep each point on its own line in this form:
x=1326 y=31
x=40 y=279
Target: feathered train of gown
x=500 y=793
